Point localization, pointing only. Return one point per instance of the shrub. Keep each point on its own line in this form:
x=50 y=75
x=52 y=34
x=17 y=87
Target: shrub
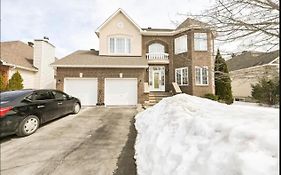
x=222 y=80
x=2 y=83
x=211 y=97
x=266 y=91
x=15 y=83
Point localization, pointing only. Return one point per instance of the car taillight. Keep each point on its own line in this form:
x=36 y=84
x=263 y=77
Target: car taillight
x=3 y=111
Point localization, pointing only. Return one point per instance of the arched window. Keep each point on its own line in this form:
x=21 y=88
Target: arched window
x=156 y=48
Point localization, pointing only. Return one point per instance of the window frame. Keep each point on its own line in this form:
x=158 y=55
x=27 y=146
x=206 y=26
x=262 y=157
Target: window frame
x=181 y=73
x=178 y=48
x=64 y=95
x=197 y=40
x=201 y=75
x=127 y=45
x=155 y=45
x=43 y=91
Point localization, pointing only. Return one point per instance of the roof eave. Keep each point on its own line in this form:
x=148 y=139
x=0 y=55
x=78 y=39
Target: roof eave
x=112 y=16
x=17 y=66
x=101 y=66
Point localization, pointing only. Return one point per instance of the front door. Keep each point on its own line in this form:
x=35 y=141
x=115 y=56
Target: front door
x=157 y=78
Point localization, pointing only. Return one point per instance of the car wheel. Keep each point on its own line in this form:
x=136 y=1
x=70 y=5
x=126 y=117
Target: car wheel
x=76 y=108
x=28 y=126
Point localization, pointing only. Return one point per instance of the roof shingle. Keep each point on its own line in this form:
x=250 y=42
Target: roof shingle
x=17 y=53
x=250 y=59
x=89 y=58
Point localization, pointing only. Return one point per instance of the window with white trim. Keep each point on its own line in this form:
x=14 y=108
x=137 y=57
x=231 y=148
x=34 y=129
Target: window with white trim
x=200 y=42
x=201 y=75
x=156 y=48
x=181 y=44
x=181 y=76
x=119 y=45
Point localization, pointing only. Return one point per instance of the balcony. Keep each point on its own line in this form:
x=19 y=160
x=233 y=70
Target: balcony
x=157 y=58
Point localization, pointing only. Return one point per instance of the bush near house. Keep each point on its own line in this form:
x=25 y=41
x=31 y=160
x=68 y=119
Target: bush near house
x=266 y=91
x=222 y=80
x=2 y=83
x=15 y=83
x=211 y=97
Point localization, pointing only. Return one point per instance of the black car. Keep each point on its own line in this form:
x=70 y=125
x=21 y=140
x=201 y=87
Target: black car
x=22 y=111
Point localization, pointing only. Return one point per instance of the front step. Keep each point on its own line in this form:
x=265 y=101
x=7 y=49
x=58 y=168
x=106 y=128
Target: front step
x=155 y=97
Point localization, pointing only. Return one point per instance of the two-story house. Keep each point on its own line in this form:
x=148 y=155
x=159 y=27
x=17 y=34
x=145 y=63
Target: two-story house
x=133 y=62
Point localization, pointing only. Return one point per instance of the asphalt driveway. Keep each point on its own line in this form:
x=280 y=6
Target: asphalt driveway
x=87 y=143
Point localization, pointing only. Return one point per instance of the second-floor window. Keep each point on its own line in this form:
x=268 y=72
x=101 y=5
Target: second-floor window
x=200 y=42
x=181 y=44
x=119 y=45
x=201 y=75
x=156 y=48
x=182 y=76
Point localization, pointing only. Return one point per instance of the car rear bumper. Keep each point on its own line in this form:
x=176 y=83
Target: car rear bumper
x=9 y=124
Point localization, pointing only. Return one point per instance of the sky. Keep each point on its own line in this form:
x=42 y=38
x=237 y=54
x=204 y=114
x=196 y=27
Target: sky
x=70 y=25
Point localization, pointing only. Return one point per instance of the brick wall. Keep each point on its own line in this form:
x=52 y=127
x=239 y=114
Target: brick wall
x=4 y=72
x=189 y=59
x=102 y=73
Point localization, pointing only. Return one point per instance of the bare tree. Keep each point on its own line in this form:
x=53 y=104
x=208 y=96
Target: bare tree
x=256 y=22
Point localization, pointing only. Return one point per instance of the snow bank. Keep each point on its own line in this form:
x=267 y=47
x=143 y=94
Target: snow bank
x=188 y=135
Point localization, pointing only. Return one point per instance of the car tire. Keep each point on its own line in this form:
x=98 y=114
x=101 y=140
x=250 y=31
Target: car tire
x=76 y=108
x=28 y=125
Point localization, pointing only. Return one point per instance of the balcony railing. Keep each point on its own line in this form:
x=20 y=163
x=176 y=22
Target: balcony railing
x=157 y=56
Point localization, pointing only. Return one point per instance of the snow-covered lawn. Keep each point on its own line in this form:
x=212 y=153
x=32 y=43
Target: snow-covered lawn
x=188 y=135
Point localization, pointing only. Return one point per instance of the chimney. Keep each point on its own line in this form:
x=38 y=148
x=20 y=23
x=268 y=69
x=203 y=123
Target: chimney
x=46 y=38
x=30 y=44
x=44 y=56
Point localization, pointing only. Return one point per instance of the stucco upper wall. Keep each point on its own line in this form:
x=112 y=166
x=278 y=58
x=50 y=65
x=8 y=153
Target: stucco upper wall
x=129 y=30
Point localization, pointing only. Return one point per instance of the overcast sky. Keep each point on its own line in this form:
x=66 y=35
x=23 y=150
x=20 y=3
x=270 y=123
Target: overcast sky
x=71 y=24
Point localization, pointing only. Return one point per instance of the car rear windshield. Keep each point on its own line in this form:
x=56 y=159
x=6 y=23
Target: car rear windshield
x=11 y=95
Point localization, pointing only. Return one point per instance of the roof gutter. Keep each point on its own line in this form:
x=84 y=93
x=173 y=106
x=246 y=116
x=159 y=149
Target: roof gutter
x=171 y=33
x=101 y=66
x=16 y=66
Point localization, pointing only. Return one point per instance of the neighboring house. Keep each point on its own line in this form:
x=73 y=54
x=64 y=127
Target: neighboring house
x=32 y=60
x=248 y=67
x=135 y=62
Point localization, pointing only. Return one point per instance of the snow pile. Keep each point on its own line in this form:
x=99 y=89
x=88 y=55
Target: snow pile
x=188 y=135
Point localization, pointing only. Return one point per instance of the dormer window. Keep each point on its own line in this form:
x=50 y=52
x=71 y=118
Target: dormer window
x=119 y=45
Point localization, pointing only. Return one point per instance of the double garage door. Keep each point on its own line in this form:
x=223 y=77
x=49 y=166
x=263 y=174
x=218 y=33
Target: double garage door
x=117 y=91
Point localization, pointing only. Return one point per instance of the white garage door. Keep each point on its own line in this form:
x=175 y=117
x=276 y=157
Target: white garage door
x=120 y=91
x=83 y=88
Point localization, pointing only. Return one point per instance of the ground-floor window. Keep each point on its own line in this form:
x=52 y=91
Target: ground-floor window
x=201 y=75
x=181 y=76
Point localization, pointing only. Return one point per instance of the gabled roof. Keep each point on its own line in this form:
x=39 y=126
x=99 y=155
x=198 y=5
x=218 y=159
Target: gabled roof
x=191 y=23
x=17 y=53
x=112 y=16
x=250 y=59
x=89 y=58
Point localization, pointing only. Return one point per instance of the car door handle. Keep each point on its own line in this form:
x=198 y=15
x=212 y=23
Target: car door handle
x=41 y=106
x=59 y=103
